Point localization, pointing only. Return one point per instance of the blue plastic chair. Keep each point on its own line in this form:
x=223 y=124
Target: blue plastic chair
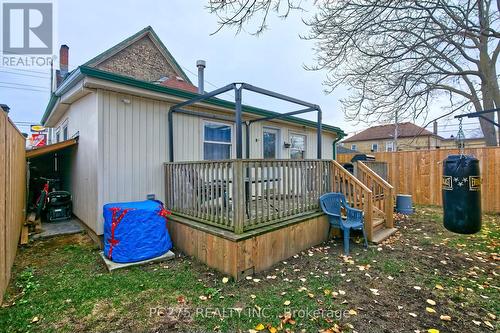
x=331 y=204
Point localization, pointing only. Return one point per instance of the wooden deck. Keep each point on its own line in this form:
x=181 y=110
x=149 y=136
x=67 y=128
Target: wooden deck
x=242 y=216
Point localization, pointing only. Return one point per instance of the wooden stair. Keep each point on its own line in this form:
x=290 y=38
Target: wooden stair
x=382 y=234
x=380 y=231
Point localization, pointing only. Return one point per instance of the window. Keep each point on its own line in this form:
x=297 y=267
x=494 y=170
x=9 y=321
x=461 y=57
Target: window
x=216 y=141
x=58 y=135
x=374 y=147
x=389 y=146
x=270 y=142
x=65 y=133
x=354 y=147
x=297 y=146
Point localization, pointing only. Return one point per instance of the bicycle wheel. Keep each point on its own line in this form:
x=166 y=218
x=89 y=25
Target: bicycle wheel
x=40 y=204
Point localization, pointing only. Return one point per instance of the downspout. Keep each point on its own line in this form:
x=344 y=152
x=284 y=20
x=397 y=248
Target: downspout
x=337 y=139
x=170 y=135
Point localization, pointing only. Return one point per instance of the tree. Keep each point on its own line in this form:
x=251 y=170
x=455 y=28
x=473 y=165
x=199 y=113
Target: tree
x=398 y=57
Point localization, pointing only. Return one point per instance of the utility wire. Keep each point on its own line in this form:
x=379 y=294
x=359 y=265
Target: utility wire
x=27 y=89
x=24 y=85
x=23 y=74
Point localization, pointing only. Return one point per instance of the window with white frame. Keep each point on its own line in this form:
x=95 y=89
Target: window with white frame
x=354 y=147
x=389 y=146
x=216 y=141
x=297 y=146
x=65 y=132
x=374 y=147
x=58 y=135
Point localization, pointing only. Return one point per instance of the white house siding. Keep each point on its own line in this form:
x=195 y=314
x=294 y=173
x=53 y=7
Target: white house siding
x=82 y=118
x=132 y=149
x=124 y=143
x=188 y=139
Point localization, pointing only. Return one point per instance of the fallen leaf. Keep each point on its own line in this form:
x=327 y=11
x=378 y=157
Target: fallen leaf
x=35 y=320
x=432 y=330
x=438 y=286
x=259 y=327
x=430 y=310
x=477 y=322
x=492 y=316
x=203 y=297
x=487 y=323
x=256 y=280
x=431 y=302
x=353 y=312
x=445 y=318
x=286 y=303
x=414 y=315
x=341 y=292
x=272 y=329
x=249 y=278
x=417 y=287
x=225 y=280
x=253 y=296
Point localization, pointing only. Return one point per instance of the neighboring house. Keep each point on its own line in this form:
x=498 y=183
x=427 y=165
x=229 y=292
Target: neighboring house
x=381 y=138
x=117 y=105
x=344 y=150
x=468 y=143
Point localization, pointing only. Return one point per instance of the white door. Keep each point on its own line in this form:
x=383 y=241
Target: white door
x=270 y=143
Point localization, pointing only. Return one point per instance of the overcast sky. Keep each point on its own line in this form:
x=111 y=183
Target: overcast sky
x=273 y=60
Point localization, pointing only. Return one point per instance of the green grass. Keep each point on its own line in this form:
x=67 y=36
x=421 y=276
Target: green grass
x=63 y=283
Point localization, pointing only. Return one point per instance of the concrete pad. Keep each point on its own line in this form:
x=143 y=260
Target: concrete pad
x=111 y=266
x=68 y=227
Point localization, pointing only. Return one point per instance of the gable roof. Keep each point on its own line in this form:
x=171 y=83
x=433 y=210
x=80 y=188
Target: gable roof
x=387 y=132
x=84 y=71
x=174 y=82
x=147 y=31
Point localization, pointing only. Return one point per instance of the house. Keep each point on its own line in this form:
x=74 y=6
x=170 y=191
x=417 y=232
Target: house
x=382 y=138
x=131 y=125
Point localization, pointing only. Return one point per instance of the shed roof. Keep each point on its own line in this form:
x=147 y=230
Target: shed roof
x=35 y=152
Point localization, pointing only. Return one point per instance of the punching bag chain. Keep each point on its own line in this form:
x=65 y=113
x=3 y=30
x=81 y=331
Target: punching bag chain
x=461 y=137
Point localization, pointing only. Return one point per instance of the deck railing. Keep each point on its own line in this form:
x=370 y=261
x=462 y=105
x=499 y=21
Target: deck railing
x=242 y=195
x=357 y=194
x=382 y=193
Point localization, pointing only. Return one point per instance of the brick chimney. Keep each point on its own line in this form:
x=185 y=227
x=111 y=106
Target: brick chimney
x=63 y=60
x=62 y=72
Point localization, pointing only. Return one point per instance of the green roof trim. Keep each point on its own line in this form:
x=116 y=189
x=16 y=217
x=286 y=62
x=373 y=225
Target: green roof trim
x=116 y=78
x=127 y=41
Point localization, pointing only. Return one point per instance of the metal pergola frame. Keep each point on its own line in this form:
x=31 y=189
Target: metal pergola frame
x=479 y=114
x=238 y=88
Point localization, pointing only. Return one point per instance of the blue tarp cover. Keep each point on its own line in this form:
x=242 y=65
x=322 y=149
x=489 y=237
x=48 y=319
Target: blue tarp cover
x=135 y=231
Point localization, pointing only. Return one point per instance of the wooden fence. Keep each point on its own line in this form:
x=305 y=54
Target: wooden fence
x=419 y=173
x=12 y=195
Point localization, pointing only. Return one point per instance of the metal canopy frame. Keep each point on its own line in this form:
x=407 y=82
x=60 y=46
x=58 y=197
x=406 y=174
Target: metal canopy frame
x=238 y=88
x=479 y=114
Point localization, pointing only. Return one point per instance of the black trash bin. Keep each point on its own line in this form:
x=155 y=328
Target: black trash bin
x=461 y=187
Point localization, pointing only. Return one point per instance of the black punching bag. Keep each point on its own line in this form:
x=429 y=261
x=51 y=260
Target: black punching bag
x=462 y=194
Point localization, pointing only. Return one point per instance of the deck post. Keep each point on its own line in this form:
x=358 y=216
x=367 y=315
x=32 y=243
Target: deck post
x=318 y=133
x=238 y=197
x=239 y=130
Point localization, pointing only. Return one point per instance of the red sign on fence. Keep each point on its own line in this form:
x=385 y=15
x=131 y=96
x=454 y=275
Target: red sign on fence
x=38 y=140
